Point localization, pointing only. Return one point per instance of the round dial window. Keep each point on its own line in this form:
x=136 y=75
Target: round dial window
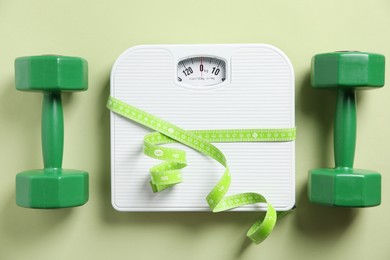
x=201 y=71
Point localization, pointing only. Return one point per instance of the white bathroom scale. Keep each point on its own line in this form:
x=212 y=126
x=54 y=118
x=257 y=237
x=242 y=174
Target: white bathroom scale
x=204 y=87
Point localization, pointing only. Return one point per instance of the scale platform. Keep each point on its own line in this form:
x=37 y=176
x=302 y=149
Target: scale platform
x=232 y=86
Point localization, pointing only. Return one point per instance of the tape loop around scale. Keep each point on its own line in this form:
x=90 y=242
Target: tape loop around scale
x=167 y=174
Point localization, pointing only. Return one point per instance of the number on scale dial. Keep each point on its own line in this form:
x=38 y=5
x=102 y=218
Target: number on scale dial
x=201 y=71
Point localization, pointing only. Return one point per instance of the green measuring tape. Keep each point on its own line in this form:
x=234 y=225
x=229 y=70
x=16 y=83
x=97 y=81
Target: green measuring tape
x=167 y=174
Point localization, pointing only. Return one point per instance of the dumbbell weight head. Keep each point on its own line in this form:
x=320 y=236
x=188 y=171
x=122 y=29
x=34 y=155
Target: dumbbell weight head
x=348 y=70
x=51 y=187
x=51 y=73
x=344 y=185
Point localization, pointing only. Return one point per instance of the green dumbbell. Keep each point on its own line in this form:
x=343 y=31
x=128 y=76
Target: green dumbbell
x=344 y=185
x=51 y=187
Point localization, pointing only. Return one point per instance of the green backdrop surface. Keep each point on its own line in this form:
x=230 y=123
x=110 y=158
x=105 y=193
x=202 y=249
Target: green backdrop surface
x=99 y=31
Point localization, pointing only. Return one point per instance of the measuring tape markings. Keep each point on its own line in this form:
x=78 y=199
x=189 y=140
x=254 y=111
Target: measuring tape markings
x=167 y=174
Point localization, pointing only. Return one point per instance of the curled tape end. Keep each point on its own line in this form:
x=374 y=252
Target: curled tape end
x=261 y=229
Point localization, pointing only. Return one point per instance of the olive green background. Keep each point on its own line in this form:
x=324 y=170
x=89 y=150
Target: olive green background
x=99 y=31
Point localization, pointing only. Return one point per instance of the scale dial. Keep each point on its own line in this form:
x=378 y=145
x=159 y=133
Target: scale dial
x=201 y=71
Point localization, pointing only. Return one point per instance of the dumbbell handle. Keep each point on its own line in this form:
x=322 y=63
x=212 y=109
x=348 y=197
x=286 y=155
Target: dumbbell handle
x=345 y=129
x=52 y=130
